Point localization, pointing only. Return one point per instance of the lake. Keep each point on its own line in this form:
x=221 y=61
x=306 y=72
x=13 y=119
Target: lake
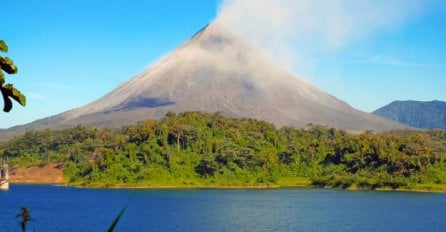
x=56 y=208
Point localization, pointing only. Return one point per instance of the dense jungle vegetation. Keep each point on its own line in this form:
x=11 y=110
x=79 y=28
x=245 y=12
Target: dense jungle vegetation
x=199 y=149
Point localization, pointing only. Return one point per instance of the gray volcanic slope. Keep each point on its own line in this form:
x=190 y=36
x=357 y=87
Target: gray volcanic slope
x=215 y=71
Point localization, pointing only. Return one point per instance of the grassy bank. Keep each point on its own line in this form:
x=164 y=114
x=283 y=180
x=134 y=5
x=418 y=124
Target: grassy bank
x=281 y=183
x=202 y=183
x=360 y=183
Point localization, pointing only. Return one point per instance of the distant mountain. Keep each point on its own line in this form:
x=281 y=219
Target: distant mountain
x=216 y=71
x=423 y=115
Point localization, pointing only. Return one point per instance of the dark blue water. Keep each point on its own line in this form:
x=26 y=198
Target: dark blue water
x=73 y=209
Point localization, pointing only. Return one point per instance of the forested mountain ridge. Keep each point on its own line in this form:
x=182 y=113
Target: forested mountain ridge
x=202 y=149
x=418 y=114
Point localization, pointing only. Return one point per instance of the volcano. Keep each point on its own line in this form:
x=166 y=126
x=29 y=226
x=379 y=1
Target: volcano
x=216 y=71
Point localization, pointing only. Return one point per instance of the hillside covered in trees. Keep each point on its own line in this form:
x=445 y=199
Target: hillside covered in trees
x=196 y=149
x=418 y=114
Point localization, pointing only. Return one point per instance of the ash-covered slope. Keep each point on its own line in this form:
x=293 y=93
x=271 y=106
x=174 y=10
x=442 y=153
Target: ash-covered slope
x=215 y=71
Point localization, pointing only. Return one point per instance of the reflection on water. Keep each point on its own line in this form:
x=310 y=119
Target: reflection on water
x=76 y=209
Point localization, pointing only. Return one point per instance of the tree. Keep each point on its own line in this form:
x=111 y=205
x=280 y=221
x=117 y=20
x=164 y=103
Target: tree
x=8 y=90
x=207 y=167
x=177 y=131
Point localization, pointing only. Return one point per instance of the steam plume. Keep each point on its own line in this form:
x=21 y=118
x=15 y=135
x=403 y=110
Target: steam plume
x=295 y=31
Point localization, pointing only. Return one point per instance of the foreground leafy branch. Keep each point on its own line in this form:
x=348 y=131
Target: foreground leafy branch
x=8 y=90
x=116 y=221
x=25 y=216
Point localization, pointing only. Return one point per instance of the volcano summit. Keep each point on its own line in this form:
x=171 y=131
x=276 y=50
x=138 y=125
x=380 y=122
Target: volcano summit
x=216 y=71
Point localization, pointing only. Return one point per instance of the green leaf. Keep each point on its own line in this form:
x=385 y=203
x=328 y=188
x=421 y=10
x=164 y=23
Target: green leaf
x=8 y=65
x=15 y=94
x=18 y=96
x=3 y=46
x=2 y=78
x=9 y=91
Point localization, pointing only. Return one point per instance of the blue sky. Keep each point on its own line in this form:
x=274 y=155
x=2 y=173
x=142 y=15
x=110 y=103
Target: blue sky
x=72 y=52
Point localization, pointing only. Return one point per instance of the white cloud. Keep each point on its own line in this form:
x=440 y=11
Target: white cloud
x=294 y=32
x=54 y=86
x=389 y=61
x=36 y=96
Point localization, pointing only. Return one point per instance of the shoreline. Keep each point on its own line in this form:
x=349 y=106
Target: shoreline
x=229 y=187
x=52 y=174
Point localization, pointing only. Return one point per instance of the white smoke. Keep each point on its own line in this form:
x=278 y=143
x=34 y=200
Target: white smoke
x=295 y=32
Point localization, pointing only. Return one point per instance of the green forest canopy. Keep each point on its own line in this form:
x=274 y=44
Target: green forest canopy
x=202 y=149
